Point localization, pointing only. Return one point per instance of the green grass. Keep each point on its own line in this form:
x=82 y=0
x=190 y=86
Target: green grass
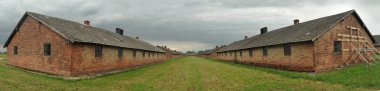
x=182 y=74
x=353 y=76
x=3 y=55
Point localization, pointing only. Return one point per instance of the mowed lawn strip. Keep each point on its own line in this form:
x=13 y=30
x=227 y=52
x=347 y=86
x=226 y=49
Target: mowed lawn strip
x=353 y=76
x=178 y=74
x=3 y=55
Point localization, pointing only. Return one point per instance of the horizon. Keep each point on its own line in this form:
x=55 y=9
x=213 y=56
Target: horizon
x=187 y=25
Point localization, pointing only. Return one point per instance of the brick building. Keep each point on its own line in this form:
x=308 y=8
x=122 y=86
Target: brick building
x=62 y=47
x=313 y=46
x=377 y=38
x=169 y=52
x=212 y=52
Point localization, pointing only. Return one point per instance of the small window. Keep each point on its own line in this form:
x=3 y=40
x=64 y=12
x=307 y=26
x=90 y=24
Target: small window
x=15 y=50
x=230 y=53
x=47 y=49
x=148 y=54
x=250 y=52
x=98 y=50
x=337 y=46
x=152 y=54
x=143 y=54
x=241 y=52
x=287 y=49
x=134 y=52
x=120 y=52
x=225 y=53
x=265 y=51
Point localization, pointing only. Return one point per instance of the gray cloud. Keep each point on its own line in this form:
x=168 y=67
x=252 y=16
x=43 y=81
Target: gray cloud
x=186 y=24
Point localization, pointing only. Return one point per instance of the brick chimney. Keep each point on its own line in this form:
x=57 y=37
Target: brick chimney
x=119 y=31
x=296 y=21
x=264 y=30
x=245 y=37
x=86 y=22
x=216 y=46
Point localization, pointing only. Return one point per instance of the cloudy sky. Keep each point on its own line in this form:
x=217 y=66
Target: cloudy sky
x=187 y=25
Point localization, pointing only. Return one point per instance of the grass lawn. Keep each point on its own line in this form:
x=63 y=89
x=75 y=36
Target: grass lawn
x=193 y=73
x=3 y=55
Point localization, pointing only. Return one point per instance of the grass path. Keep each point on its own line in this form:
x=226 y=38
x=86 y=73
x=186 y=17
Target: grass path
x=178 y=74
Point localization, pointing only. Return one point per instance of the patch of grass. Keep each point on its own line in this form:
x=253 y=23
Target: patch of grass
x=3 y=55
x=353 y=76
x=178 y=74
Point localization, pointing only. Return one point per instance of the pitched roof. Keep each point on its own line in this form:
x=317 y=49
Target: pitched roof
x=306 y=31
x=377 y=38
x=77 y=32
x=207 y=52
x=170 y=51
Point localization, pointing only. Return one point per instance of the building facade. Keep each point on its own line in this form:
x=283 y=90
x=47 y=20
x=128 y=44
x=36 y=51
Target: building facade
x=313 y=46
x=61 y=47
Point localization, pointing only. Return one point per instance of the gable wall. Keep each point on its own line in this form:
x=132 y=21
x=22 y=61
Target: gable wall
x=325 y=57
x=30 y=40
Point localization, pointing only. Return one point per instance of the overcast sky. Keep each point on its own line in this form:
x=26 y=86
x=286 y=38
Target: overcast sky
x=187 y=25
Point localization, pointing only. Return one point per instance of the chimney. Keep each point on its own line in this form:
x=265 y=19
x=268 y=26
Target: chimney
x=216 y=46
x=86 y=22
x=137 y=38
x=296 y=21
x=264 y=30
x=245 y=37
x=119 y=31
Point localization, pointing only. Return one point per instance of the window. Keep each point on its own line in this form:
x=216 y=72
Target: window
x=47 y=49
x=225 y=53
x=153 y=54
x=120 y=52
x=250 y=52
x=134 y=52
x=230 y=53
x=15 y=50
x=337 y=47
x=148 y=54
x=98 y=50
x=143 y=54
x=241 y=52
x=287 y=49
x=265 y=51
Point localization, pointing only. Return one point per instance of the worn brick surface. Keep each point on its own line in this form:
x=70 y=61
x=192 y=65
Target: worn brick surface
x=301 y=58
x=30 y=39
x=326 y=59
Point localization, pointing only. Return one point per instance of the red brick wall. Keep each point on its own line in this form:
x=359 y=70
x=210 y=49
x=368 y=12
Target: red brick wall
x=30 y=40
x=378 y=48
x=325 y=57
x=85 y=62
x=301 y=58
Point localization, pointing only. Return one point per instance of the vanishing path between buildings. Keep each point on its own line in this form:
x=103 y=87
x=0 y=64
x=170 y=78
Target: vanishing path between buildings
x=178 y=74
